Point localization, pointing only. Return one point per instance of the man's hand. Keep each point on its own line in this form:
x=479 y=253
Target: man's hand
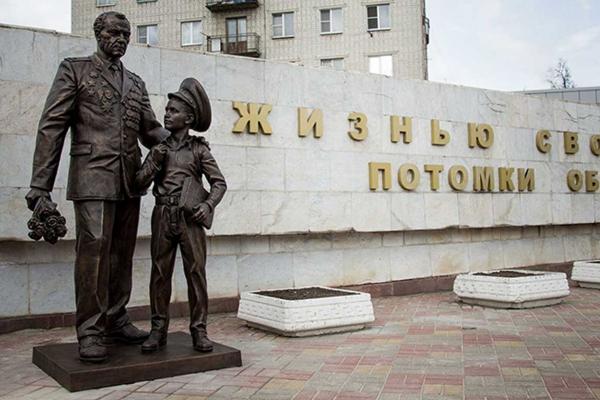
x=34 y=196
x=202 y=212
x=158 y=153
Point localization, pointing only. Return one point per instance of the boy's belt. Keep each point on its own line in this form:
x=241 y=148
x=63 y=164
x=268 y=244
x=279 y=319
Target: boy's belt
x=167 y=200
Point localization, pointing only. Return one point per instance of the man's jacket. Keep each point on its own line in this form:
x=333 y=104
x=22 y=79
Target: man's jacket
x=106 y=120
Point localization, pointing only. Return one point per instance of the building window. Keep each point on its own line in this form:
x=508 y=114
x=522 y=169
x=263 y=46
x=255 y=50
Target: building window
x=331 y=20
x=381 y=65
x=378 y=17
x=147 y=34
x=146 y=1
x=333 y=63
x=191 y=33
x=237 y=35
x=283 y=24
x=102 y=3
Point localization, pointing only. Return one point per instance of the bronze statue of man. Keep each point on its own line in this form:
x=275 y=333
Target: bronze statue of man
x=107 y=109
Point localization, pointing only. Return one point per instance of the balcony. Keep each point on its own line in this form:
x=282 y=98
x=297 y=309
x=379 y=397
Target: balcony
x=230 y=5
x=240 y=45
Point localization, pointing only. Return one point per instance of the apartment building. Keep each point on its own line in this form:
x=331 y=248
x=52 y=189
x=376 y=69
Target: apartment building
x=389 y=37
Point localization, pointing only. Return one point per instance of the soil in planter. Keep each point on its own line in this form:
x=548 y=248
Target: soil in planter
x=304 y=293
x=505 y=274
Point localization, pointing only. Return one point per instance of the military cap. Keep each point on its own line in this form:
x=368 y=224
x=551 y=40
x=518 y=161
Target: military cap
x=192 y=93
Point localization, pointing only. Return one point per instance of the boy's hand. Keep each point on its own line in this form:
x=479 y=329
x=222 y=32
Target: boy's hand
x=158 y=153
x=202 y=212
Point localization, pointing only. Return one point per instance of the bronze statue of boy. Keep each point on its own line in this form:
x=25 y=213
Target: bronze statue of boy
x=183 y=209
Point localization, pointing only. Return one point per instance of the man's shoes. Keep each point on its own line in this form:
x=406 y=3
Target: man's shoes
x=156 y=340
x=91 y=349
x=128 y=334
x=201 y=342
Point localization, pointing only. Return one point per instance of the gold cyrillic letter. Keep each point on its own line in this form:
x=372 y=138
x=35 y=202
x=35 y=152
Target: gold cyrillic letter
x=254 y=116
x=540 y=138
x=404 y=129
x=574 y=180
x=571 y=145
x=457 y=177
x=481 y=135
x=434 y=172
x=438 y=137
x=386 y=175
x=595 y=145
x=591 y=183
x=526 y=179
x=403 y=176
x=483 y=179
x=313 y=123
x=360 y=131
x=505 y=181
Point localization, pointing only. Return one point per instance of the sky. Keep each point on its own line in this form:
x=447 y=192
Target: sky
x=494 y=44
x=510 y=44
x=48 y=14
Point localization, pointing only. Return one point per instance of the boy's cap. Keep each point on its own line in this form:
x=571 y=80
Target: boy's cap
x=192 y=93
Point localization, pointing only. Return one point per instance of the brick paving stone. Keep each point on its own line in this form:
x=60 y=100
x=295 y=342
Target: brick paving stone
x=169 y=387
x=192 y=389
x=116 y=395
x=146 y=396
x=420 y=347
x=151 y=386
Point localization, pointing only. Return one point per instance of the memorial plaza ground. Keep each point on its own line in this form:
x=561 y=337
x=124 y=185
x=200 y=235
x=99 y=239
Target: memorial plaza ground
x=425 y=346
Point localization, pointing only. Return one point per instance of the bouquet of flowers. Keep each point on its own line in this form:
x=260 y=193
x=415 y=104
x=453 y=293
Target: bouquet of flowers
x=46 y=222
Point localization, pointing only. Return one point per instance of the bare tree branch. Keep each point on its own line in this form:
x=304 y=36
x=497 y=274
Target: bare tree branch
x=559 y=76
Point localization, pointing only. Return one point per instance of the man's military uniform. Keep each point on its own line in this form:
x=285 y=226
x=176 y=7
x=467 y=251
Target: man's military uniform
x=107 y=110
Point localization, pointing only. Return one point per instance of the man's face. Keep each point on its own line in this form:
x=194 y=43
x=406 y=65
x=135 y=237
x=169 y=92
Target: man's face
x=177 y=116
x=114 y=37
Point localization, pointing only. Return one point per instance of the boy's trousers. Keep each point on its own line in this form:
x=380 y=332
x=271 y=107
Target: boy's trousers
x=169 y=229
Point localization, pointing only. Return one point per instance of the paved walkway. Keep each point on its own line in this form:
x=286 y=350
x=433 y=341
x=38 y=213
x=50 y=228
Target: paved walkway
x=420 y=347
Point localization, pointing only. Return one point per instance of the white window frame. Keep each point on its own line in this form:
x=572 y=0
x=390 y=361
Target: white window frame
x=146 y=42
x=191 y=42
x=331 y=30
x=379 y=69
x=378 y=18
x=331 y=61
x=105 y=3
x=283 y=25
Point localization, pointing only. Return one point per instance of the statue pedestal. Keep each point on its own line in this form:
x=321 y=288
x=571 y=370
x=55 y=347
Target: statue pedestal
x=127 y=364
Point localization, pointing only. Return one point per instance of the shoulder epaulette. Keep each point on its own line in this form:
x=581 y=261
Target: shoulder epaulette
x=201 y=140
x=78 y=59
x=136 y=76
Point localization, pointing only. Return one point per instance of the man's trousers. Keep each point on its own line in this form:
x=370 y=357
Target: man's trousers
x=169 y=229
x=106 y=233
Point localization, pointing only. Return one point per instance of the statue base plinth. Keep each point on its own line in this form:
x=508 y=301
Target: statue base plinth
x=127 y=364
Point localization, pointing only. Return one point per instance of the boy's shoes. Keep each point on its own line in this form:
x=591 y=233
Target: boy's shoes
x=156 y=340
x=91 y=349
x=128 y=334
x=201 y=342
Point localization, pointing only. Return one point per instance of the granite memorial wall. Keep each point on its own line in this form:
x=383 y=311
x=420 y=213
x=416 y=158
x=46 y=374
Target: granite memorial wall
x=335 y=178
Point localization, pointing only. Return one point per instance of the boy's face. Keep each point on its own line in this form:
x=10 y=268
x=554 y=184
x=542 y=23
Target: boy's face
x=177 y=116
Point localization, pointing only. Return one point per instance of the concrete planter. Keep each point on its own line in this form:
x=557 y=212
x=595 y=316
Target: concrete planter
x=587 y=273
x=340 y=311
x=512 y=288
